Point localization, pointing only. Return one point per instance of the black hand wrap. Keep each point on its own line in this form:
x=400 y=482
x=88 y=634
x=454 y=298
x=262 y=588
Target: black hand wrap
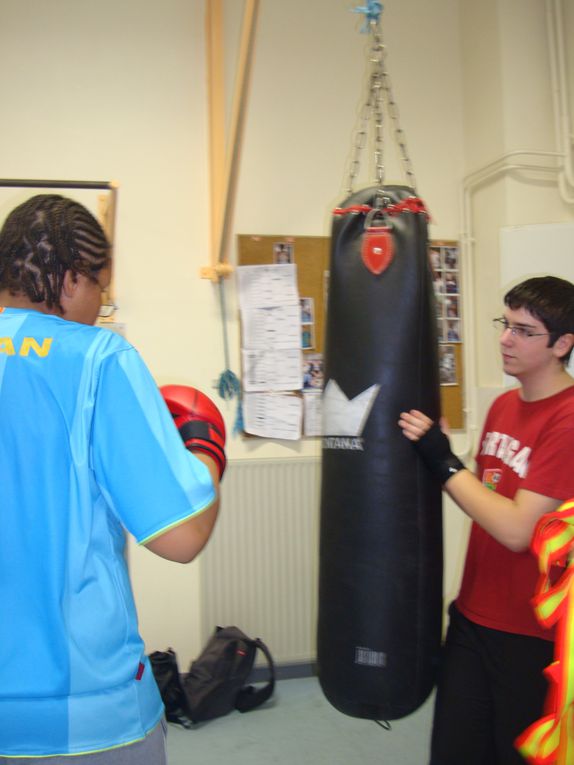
x=434 y=448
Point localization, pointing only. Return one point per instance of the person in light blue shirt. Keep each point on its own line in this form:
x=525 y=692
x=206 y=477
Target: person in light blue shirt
x=88 y=451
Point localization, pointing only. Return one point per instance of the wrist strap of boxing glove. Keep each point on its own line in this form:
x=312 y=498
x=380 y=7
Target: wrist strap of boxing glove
x=195 y=429
x=197 y=436
x=434 y=448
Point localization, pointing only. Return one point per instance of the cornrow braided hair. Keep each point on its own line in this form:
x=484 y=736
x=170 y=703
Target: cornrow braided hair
x=43 y=238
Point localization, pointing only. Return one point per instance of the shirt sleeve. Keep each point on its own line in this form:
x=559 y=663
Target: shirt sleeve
x=148 y=478
x=551 y=468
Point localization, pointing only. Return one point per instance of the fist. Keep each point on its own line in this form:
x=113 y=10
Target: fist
x=198 y=421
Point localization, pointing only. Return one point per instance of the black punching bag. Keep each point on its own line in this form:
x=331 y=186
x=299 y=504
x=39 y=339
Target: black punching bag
x=380 y=566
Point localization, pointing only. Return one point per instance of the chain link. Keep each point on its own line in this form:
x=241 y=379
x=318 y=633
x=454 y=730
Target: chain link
x=379 y=94
x=400 y=137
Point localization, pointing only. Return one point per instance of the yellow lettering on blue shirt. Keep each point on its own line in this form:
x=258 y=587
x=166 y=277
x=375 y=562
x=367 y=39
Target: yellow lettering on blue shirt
x=28 y=344
x=7 y=346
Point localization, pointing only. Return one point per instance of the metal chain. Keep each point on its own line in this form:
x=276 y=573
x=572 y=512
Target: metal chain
x=393 y=111
x=377 y=86
x=379 y=83
x=372 y=107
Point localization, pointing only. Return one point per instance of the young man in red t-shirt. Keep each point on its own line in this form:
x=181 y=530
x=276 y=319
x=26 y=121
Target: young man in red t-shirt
x=491 y=685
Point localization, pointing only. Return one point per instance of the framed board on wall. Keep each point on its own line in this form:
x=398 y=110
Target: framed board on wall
x=311 y=256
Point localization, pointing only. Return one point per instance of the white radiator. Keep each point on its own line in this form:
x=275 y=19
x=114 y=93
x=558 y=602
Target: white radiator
x=259 y=570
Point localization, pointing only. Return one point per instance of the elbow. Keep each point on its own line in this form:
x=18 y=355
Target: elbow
x=186 y=553
x=517 y=547
x=516 y=543
x=187 y=550
x=182 y=544
x=175 y=554
x=184 y=559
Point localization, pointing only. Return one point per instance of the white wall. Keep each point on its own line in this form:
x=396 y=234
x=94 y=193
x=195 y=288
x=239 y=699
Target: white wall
x=117 y=90
x=507 y=108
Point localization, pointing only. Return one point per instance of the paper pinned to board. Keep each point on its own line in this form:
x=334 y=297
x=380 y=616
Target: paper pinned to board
x=272 y=327
x=273 y=415
x=267 y=286
x=272 y=370
x=312 y=411
x=271 y=351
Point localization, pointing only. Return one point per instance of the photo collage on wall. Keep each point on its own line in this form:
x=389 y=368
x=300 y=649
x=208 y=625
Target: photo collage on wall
x=444 y=260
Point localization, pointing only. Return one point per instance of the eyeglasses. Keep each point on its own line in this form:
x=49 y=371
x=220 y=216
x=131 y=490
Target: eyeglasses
x=107 y=310
x=516 y=330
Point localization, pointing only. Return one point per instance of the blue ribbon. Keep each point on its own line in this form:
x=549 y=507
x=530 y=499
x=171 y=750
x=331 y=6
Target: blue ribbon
x=228 y=385
x=372 y=11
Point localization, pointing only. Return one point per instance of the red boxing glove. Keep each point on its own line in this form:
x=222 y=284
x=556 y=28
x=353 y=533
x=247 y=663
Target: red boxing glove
x=198 y=420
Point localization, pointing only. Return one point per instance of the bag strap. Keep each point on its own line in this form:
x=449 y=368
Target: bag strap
x=250 y=697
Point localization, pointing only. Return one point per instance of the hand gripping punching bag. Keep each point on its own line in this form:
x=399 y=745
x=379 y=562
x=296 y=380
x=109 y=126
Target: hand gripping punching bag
x=380 y=567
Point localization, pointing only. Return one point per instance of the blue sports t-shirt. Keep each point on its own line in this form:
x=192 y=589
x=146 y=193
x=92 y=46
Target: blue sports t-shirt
x=87 y=450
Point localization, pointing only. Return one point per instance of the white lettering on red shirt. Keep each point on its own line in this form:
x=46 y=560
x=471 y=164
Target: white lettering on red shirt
x=508 y=450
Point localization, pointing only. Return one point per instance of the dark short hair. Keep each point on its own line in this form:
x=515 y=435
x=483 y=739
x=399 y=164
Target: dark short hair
x=43 y=238
x=550 y=300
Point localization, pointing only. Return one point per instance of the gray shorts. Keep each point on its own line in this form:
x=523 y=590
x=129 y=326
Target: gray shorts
x=149 y=751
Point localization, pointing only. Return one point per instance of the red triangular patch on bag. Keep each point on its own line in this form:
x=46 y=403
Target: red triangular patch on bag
x=378 y=248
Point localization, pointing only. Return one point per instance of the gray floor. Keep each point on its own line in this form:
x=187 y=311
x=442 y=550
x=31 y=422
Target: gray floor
x=298 y=726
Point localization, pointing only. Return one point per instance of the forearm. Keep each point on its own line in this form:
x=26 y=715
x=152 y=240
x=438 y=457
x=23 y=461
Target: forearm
x=497 y=515
x=200 y=526
x=184 y=542
x=202 y=430
x=510 y=521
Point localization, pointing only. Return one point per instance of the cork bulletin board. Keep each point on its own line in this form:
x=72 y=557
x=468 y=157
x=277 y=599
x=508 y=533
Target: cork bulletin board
x=311 y=256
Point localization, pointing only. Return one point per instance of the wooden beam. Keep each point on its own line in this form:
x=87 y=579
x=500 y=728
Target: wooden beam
x=224 y=154
x=215 y=45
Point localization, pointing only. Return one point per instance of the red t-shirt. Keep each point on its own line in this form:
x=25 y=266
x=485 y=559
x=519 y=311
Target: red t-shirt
x=524 y=445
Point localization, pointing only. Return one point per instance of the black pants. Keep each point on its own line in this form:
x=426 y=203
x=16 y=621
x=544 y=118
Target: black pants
x=490 y=689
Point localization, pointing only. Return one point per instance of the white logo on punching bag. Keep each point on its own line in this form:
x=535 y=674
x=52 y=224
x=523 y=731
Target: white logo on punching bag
x=344 y=419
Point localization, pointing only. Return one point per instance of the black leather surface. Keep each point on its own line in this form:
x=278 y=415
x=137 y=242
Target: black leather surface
x=380 y=570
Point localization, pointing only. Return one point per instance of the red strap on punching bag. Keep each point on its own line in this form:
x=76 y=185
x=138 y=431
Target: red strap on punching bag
x=410 y=204
x=377 y=243
x=377 y=248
